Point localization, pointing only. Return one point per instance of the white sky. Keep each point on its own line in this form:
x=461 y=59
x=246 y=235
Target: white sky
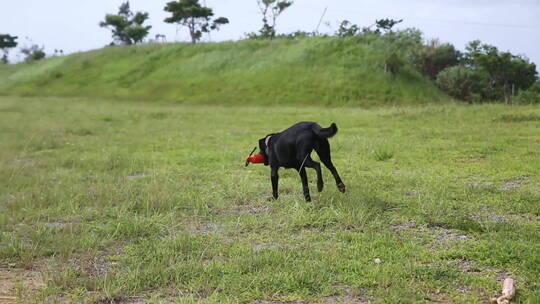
x=72 y=25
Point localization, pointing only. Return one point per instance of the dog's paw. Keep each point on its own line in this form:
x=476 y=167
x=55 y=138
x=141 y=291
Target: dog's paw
x=320 y=187
x=341 y=187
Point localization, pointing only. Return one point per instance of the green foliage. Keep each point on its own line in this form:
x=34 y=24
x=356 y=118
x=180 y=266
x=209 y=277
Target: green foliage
x=270 y=10
x=347 y=29
x=194 y=16
x=434 y=57
x=33 y=52
x=504 y=71
x=314 y=70
x=386 y=24
x=461 y=82
x=393 y=63
x=382 y=26
x=7 y=42
x=531 y=95
x=127 y=28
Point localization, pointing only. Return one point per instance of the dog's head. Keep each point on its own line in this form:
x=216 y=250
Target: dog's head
x=263 y=147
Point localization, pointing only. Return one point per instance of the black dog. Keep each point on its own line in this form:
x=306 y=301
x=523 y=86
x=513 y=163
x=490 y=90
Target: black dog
x=292 y=148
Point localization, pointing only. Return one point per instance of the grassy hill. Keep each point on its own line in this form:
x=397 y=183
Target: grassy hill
x=334 y=71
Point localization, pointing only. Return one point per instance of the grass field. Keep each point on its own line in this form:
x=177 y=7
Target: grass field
x=127 y=202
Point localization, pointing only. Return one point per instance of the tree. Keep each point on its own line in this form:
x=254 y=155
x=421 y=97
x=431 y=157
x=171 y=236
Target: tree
x=7 y=42
x=194 y=16
x=347 y=29
x=127 y=28
x=506 y=73
x=434 y=57
x=33 y=52
x=270 y=10
x=386 y=24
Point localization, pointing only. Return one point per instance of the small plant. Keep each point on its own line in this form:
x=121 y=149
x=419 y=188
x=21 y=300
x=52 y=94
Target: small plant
x=383 y=154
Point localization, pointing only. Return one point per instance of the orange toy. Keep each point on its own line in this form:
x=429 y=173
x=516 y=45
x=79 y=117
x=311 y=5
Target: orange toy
x=255 y=159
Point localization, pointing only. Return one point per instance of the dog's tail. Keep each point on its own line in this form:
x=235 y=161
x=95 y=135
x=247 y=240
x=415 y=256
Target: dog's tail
x=325 y=132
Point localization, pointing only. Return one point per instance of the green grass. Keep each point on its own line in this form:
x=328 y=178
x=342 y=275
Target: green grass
x=132 y=201
x=316 y=71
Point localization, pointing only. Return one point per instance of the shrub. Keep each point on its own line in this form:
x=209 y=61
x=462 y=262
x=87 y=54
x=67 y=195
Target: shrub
x=33 y=52
x=531 y=95
x=434 y=57
x=461 y=82
x=393 y=63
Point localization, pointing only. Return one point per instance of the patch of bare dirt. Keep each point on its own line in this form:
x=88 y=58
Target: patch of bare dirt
x=438 y=297
x=513 y=183
x=263 y=246
x=205 y=227
x=137 y=175
x=16 y=283
x=247 y=210
x=346 y=296
x=403 y=226
x=440 y=234
x=472 y=160
x=443 y=234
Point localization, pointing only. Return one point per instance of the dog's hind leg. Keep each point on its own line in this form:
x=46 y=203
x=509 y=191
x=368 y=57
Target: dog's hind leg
x=310 y=163
x=323 y=150
x=305 y=186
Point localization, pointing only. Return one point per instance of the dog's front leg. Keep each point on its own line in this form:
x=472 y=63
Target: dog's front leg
x=305 y=186
x=275 y=178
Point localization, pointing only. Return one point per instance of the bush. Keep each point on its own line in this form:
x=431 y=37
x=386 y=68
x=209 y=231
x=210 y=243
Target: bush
x=393 y=63
x=461 y=82
x=531 y=95
x=33 y=52
x=434 y=57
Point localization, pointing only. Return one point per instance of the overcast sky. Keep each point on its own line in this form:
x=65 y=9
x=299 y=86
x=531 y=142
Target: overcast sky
x=72 y=25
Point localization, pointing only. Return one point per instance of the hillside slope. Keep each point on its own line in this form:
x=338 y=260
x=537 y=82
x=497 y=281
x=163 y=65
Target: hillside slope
x=307 y=71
